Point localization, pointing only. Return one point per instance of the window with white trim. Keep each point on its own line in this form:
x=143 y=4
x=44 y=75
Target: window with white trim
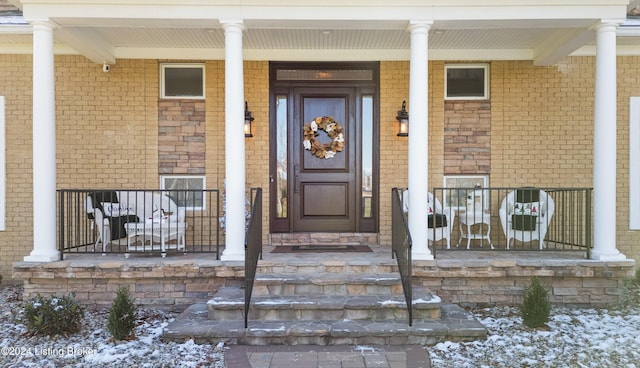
x=457 y=199
x=188 y=191
x=3 y=177
x=634 y=163
x=184 y=80
x=466 y=82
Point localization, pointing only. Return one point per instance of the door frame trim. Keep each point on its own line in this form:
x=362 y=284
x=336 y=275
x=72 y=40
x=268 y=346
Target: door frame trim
x=363 y=88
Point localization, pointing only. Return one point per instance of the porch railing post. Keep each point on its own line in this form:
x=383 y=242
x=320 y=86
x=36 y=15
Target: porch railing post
x=61 y=229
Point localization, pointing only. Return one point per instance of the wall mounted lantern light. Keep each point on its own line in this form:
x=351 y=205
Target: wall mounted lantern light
x=248 y=119
x=403 y=121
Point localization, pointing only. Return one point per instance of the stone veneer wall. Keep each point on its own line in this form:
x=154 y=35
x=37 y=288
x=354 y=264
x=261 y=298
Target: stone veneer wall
x=175 y=284
x=467 y=137
x=502 y=281
x=181 y=137
x=168 y=286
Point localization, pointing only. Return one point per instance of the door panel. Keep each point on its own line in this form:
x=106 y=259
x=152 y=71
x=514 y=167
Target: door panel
x=315 y=204
x=324 y=189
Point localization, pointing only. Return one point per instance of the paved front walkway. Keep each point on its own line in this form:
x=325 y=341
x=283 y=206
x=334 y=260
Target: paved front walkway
x=335 y=356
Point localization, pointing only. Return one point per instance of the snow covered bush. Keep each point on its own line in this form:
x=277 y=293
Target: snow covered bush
x=52 y=316
x=122 y=315
x=536 y=306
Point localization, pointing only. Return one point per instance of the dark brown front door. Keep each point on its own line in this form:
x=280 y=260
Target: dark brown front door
x=314 y=194
x=324 y=189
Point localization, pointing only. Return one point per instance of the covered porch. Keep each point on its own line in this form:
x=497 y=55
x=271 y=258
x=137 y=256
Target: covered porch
x=417 y=26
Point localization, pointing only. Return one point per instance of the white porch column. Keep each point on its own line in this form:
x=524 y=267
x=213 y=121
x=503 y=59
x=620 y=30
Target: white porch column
x=234 y=142
x=44 y=146
x=418 y=139
x=604 y=146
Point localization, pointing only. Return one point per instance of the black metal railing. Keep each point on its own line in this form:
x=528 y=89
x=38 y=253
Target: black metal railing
x=514 y=219
x=401 y=248
x=127 y=221
x=253 y=249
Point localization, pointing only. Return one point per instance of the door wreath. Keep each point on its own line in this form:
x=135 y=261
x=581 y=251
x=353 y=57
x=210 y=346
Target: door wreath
x=334 y=130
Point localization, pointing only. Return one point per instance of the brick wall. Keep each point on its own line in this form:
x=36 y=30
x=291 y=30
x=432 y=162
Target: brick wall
x=256 y=93
x=17 y=240
x=394 y=88
x=214 y=126
x=628 y=86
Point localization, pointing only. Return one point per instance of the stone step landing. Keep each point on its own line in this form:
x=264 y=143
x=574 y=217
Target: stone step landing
x=328 y=284
x=455 y=324
x=323 y=238
x=228 y=305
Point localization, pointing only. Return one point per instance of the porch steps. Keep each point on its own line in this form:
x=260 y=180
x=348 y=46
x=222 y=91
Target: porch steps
x=327 y=308
x=228 y=304
x=455 y=324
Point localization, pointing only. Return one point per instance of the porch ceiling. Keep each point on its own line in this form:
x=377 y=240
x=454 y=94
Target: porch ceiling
x=542 y=31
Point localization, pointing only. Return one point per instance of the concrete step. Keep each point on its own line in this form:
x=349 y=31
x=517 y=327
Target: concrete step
x=228 y=304
x=455 y=324
x=328 y=284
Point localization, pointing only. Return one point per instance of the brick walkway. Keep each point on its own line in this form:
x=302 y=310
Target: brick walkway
x=305 y=356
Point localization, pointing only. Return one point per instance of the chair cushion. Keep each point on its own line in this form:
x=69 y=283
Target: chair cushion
x=526 y=208
x=527 y=195
x=99 y=197
x=117 y=225
x=116 y=209
x=524 y=222
x=439 y=219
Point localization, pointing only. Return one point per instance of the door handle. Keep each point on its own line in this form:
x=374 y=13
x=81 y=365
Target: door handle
x=296 y=179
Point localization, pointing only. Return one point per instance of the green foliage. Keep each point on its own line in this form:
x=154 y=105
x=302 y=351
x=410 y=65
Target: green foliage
x=53 y=316
x=536 y=306
x=122 y=315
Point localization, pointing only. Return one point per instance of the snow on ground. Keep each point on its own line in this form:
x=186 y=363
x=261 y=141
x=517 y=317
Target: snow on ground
x=92 y=346
x=574 y=338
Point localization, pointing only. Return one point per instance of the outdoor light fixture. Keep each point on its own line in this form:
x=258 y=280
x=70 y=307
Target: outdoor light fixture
x=403 y=121
x=247 y=121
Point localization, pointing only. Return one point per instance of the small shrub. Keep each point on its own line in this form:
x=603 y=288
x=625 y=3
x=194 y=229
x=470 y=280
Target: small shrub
x=53 y=316
x=536 y=306
x=122 y=315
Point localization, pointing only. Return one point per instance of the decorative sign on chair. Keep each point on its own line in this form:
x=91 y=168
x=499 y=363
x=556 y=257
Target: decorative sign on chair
x=334 y=130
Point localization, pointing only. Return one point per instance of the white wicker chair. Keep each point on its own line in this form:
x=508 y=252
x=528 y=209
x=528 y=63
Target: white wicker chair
x=438 y=213
x=142 y=204
x=530 y=223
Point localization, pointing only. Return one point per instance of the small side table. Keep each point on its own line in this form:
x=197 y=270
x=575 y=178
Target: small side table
x=469 y=219
x=156 y=233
